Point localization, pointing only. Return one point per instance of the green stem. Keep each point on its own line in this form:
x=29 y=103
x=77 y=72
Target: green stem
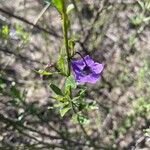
x=65 y=34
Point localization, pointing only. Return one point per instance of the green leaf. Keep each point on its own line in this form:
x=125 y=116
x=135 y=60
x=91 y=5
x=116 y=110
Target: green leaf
x=62 y=64
x=92 y=106
x=44 y=73
x=71 y=43
x=76 y=98
x=16 y=93
x=81 y=106
x=80 y=96
x=81 y=119
x=147 y=5
x=64 y=110
x=70 y=82
x=5 y=32
x=58 y=4
x=61 y=104
x=82 y=93
x=70 y=8
x=137 y=20
x=141 y=4
x=132 y=40
x=2 y=85
x=62 y=98
x=56 y=89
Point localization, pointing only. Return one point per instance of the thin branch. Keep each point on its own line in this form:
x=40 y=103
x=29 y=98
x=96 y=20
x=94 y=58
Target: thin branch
x=10 y=14
x=41 y=13
x=19 y=125
x=22 y=58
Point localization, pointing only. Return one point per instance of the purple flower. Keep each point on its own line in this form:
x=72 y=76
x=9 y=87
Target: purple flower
x=86 y=70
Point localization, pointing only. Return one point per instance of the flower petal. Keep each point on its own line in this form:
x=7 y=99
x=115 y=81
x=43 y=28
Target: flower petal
x=92 y=78
x=97 y=68
x=78 y=64
x=89 y=60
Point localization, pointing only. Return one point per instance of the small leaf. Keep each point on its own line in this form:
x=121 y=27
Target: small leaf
x=5 y=32
x=80 y=96
x=58 y=4
x=81 y=119
x=137 y=20
x=70 y=8
x=81 y=106
x=61 y=104
x=2 y=85
x=76 y=98
x=64 y=110
x=44 y=73
x=62 y=99
x=62 y=64
x=16 y=93
x=132 y=40
x=146 y=19
x=74 y=118
x=92 y=106
x=70 y=82
x=56 y=89
x=71 y=43
x=82 y=93
x=141 y=4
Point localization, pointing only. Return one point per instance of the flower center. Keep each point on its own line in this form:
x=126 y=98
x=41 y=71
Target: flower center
x=86 y=70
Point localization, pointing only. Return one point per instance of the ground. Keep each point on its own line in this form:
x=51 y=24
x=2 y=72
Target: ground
x=115 y=33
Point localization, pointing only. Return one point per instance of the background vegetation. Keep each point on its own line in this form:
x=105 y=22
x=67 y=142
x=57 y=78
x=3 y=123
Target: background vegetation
x=115 y=32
